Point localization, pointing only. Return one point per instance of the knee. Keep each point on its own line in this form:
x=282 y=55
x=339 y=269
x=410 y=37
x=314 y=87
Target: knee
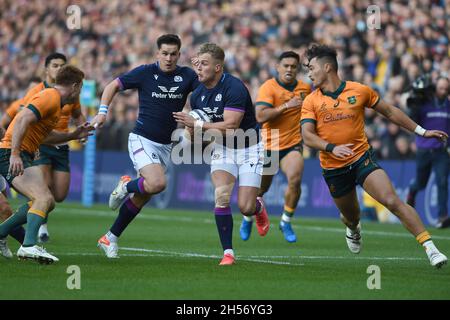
x=392 y=202
x=46 y=201
x=156 y=186
x=222 y=196
x=59 y=197
x=246 y=208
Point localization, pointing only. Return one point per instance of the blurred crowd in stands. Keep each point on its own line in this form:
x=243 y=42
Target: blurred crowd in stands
x=116 y=36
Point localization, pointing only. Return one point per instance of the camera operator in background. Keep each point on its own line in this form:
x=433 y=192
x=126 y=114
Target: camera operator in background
x=429 y=106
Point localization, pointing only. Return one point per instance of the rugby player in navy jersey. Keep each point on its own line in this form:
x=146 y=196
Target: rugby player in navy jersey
x=237 y=151
x=163 y=88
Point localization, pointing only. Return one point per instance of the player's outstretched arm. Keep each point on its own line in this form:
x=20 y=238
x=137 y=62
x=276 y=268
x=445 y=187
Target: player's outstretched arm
x=82 y=131
x=312 y=140
x=108 y=94
x=400 y=118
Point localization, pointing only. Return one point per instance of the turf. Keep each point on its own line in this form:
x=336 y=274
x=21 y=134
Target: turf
x=169 y=254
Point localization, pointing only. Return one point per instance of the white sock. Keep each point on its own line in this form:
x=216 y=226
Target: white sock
x=112 y=237
x=43 y=229
x=229 y=251
x=429 y=246
x=248 y=218
x=285 y=218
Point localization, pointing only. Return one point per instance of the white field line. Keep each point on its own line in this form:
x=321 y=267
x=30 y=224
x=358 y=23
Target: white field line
x=161 y=253
x=142 y=252
x=104 y=213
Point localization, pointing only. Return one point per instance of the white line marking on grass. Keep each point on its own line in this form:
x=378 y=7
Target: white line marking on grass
x=340 y=258
x=142 y=252
x=103 y=213
x=199 y=255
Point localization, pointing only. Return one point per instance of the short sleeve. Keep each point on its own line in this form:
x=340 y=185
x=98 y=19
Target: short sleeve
x=265 y=96
x=133 y=78
x=308 y=112
x=37 y=88
x=41 y=104
x=236 y=97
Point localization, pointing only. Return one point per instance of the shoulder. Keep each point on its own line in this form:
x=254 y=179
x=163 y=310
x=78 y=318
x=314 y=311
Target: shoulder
x=357 y=86
x=301 y=85
x=233 y=82
x=268 y=84
x=313 y=96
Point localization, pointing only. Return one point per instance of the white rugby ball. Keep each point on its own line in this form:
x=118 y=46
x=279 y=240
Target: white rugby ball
x=199 y=114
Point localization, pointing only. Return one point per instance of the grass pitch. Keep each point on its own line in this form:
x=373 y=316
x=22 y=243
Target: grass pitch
x=170 y=254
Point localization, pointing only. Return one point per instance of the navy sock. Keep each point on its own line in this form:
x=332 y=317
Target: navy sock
x=136 y=186
x=224 y=222
x=127 y=213
x=18 y=233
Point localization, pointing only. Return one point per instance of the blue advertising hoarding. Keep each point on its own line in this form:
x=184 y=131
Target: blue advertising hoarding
x=190 y=186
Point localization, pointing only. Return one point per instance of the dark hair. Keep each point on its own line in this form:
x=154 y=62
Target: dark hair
x=323 y=52
x=168 y=39
x=289 y=54
x=213 y=49
x=69 y=75
x=54 y=55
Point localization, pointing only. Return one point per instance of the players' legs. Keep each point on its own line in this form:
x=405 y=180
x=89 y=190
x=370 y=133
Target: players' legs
x=32 y=185
x=250 y=162
x=350 y=216
x=266 y=181
x=60 y=185
x=292 y=166
x=378 y=185
x=223 y=182
x=6 y=212
x=247 y=220
x=349 y=209
x=43 y=235
x=152 y=181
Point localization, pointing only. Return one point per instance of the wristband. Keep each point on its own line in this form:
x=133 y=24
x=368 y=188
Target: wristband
x=198 y=124
x=330 y=147
x=103 y=109
x=420 y=131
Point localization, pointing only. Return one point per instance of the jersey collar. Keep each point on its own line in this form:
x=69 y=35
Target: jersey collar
x=290 y=88
x=166 y=73
x=336 y=93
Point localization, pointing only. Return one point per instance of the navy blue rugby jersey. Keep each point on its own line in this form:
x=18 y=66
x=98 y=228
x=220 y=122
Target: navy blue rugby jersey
x=160 y=94
x=230 y=93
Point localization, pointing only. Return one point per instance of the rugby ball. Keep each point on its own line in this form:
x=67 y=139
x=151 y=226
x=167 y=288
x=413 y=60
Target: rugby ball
x=199 y=114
